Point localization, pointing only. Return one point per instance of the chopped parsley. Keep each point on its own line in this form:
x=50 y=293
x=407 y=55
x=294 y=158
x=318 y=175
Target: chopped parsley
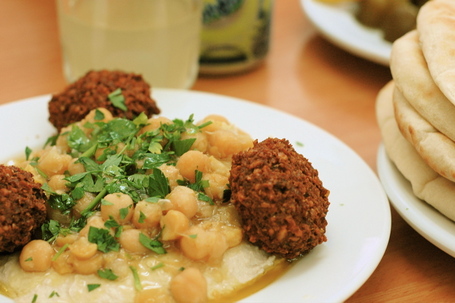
x=118 y=156
x=107 y=274
x=117 y=99
x=103 y=239
x=137 y=280
x=91 y=287
x=28 y=152
x=152 y=244
x=159 y=265
x=53 y=294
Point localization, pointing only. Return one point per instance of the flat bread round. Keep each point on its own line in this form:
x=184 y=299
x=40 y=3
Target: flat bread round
x=410 y=73
x=436 y=28
x=434 y=148
x=426 y=184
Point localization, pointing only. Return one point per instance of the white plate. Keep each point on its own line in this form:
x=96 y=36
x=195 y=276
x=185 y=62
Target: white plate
x=337 y=23
x=359 y=214
x=426 y=220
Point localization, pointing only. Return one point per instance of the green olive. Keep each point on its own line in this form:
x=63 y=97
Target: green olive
x=399 y=19
x=370 y=12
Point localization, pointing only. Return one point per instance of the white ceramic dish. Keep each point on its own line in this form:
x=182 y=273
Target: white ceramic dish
x=336 y=22
x=426 y=220
x=359 y=214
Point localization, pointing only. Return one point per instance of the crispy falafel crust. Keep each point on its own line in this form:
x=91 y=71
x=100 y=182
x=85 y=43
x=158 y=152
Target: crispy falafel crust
x=92 y=90
x=280 y=198
x=22 y=207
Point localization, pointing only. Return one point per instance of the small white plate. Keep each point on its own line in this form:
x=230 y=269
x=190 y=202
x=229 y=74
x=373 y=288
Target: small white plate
x=337 y=23
x=359 y=219
x=426 y=220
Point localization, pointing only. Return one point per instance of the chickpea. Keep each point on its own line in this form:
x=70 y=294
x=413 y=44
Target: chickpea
x=36 y=256
x=119 y=207
x=189 y=286
x=129 y=240
x=226 y=142
x=154 y=123
x=234 y=235
x=119 y=266
x=86 y=266
x=83 y=249
x=184 y=199
x=217 y=185
x=219 y=167
x=63 y=240
x=82 y=203
x=94 y=221
x=146 y=215
x=201 y=143
x=53 y=162
x=218 y=122
x=62 y=265
x=90 y=117
x=62 y=139
x=174 y=224
x=172 y=174
x=58 y=183
x=199 y=244
x=75 y=168
x=191 y=161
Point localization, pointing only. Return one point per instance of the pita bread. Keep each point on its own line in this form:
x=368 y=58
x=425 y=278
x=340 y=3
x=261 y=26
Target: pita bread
x=434 y=148
x=426 y=183
x=412 y=78
x=436 y=28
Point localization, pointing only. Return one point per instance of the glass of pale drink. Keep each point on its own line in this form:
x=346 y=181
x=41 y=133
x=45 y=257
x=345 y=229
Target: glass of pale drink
x=158 y=39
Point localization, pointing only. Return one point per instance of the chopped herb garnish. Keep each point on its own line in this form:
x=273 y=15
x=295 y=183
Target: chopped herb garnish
x=103 y=239
x=152 y=244
x=137 y=281
x=159 y=265
x=99 y=115
x=35 y=298
x=117 y=99
x=29 y=259
x=107 y=274
x=53 y=294
x=28 y=152
x=60 y=251
x=123 y=212
x=158 y=184
x=118 y=157
x=142 y=217
x=91 y=287
x=50 y=230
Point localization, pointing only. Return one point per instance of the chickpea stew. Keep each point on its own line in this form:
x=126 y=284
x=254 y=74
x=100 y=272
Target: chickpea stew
x=137 y=213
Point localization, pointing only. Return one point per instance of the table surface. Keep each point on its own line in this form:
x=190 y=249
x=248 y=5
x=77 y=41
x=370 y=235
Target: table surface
x=303 y=75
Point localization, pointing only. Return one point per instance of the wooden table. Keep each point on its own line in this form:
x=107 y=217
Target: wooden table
x=303 y=75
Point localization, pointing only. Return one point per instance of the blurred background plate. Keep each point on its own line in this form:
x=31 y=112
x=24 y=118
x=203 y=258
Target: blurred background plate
x=336 y=22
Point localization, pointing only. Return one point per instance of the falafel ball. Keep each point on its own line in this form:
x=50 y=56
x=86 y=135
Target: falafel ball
x=280 y=198
x=22 y=207
x=92 y=91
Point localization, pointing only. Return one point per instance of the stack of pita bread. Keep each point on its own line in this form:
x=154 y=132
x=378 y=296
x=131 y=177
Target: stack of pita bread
x=416 y=110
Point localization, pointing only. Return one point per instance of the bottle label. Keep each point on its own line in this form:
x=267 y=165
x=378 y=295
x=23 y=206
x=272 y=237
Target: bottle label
x=235 y=32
